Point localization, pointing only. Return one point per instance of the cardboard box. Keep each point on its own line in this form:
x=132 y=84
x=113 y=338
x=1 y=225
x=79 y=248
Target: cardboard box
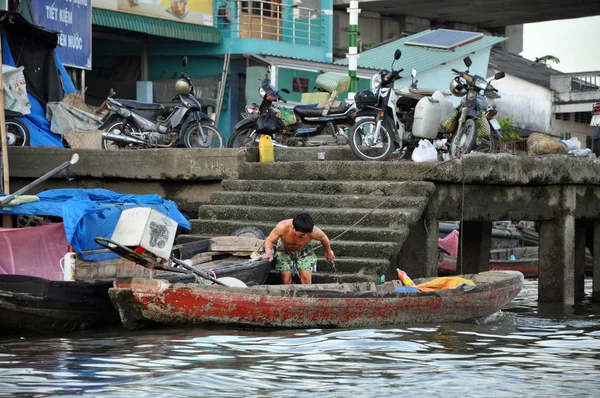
x=144 y=227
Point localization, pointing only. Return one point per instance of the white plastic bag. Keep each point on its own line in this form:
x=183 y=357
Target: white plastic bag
x=424 y=152
x=572 y=143
x=15 y=90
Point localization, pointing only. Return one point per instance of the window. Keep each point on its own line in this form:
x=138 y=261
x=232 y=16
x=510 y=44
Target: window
x=299 y=85
x=583 y=117
x=567 y=136
x=562 y=116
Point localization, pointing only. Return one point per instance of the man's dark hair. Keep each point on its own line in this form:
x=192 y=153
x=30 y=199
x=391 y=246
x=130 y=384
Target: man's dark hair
x=303 y=222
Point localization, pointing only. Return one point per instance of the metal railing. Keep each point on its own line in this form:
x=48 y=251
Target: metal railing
x=272 y=20
x=582 y=81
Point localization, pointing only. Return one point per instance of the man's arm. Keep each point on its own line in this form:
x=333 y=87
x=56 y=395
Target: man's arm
x=321 y=237
x=270 y=241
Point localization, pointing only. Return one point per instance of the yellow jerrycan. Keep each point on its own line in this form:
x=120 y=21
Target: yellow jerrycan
x=265 y=149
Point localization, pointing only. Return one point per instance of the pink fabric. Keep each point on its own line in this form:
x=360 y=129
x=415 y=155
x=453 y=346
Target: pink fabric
x=449 y=244
x=33 y=251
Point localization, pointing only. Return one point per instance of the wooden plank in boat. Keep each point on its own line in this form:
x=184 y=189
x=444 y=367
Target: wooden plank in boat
x=235 y=244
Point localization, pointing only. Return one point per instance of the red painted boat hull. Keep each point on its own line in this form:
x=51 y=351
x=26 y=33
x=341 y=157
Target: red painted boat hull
x=143 y=302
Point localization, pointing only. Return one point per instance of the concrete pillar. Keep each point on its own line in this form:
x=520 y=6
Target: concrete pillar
x=476 y=240
x=327 y=27
x=579 y=259
x=419 y=254
x=556 y=261
x=596 y=270
x=352 y=55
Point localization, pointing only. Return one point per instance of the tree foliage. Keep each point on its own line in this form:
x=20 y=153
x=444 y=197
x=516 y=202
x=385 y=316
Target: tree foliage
x=547 y=58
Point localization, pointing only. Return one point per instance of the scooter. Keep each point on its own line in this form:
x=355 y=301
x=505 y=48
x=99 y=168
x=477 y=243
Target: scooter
x=305 y=125
x=475 y=113
x=131 y=124
x=388 y=122
x=17 y=133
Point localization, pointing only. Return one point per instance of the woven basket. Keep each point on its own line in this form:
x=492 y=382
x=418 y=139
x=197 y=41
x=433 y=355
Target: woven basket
x=333 y=81
x=451 y=121
x=483 y=127
x=314 y=98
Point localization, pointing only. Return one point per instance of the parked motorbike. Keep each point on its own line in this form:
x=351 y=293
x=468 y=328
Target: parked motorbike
x=305 y=125
x=387 y=122
x=595 y=122
x=475 y=113
x=17 y=133
x=135 y=125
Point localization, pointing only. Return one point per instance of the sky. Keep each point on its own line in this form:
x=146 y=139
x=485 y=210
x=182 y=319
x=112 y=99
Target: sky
x=575 y=42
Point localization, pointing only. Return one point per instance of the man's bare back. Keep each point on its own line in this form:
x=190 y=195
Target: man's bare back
x=294 y=238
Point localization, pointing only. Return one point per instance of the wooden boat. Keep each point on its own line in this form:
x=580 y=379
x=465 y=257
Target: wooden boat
x=153 y=302
x=522 y=259
x=33 y=304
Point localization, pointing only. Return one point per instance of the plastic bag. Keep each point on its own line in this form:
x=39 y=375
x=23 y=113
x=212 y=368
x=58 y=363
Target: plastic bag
x=572 y=143
x=15 y=90
x=424 y=152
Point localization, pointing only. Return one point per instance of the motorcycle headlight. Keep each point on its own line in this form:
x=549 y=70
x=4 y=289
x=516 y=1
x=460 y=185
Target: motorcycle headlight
x=376 y=81
x=481 y=84
x=262 y=92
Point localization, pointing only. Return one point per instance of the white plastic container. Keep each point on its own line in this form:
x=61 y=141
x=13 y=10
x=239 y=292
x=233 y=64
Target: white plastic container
x=67 y=265
x=445 y=104
x=146 y=228
x=427 y=118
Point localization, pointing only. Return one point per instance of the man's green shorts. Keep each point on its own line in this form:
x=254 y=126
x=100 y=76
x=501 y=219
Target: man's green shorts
x=286 y=260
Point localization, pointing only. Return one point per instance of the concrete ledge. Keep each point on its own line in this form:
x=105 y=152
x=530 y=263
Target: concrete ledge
x=143 y=164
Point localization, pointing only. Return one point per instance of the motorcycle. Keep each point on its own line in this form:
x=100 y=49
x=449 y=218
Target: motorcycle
x=17 y=133
x=135 y=125
x=595 y=122
x=475 y=113
x=386 y=120
x=305 y=125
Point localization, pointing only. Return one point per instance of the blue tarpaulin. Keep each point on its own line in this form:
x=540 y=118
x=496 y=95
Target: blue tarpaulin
x=89 y=213
x=39 y=127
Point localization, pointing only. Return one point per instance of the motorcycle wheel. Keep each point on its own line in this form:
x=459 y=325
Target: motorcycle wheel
x=115 y=126
x=202 y=135
x=243 y=139
x=362 y=145
x=464 y=141
x=17 y=133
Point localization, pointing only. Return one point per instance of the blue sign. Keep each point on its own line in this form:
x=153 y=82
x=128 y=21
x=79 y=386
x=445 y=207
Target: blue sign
x=73 y=19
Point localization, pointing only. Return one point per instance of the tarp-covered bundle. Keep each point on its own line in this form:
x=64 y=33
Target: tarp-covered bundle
x=89 y=213
x=32 y=47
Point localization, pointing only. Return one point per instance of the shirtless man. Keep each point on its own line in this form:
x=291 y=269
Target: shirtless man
x=289 y=244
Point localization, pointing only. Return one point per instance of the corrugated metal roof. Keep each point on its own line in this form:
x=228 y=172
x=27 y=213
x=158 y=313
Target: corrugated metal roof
x=418 y=57
x=523 y=68
x=155 y=26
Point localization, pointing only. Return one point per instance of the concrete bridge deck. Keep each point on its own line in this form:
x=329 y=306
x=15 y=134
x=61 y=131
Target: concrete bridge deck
x=561 y=193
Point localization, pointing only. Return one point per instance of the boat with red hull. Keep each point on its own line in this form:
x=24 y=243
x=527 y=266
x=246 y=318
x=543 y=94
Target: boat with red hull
x=145 y=303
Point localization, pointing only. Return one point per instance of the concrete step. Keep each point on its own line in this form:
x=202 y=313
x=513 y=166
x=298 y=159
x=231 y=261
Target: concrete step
x=345 y=171
x=226 y=227
x=379 y=217
x=350 y=265
x=342 y=248
x=273 y=199
x=379 y=188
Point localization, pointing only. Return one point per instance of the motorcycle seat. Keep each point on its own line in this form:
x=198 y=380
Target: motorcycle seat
x=142 y=106
x=421 y=92
x=313 y=110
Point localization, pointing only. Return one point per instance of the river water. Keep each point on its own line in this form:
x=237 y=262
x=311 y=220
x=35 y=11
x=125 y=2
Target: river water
x=523 y=350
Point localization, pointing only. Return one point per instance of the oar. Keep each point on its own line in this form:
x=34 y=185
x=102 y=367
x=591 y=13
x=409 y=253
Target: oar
x=197 y=271
x=8 y=198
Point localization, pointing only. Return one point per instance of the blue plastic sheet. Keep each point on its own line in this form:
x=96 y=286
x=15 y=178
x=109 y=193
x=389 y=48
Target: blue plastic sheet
x=89 y=213
x=39 y=127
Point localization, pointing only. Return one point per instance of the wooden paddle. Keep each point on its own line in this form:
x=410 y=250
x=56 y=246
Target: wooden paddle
x=4 y=200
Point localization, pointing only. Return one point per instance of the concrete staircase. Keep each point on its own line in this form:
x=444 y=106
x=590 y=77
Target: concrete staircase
x=384 y=210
